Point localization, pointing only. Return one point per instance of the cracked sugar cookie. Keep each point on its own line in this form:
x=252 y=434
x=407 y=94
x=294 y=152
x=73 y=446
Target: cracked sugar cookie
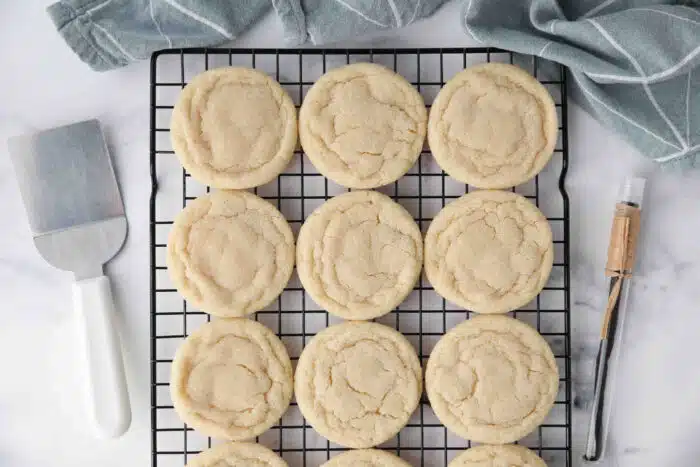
x=366 y=458
x=230 y=253
x=231 y=379
x=489 y=251
x=237 y=454
x=492 y=379
x=498 y=456
x=234 y=128
x=359 y=255
x=493 y=126
x=357 y=383
x=362 y=125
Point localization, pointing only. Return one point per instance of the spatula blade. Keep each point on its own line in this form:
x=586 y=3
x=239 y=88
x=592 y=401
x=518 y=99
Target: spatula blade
x=70 y=194
x=66 y=177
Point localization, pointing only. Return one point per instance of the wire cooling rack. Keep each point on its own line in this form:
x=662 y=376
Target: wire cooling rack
x=423 y=317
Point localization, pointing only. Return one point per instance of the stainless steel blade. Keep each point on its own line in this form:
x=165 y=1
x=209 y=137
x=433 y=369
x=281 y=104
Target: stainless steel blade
x=71 y=196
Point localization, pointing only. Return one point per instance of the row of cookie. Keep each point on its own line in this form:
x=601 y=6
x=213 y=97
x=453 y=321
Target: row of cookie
x=363 y=126
x=491 y=379
x=359 y=255
x=254 y=454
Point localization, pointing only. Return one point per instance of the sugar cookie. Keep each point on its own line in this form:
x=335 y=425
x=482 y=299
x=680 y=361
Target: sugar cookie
x=498 y=456
x=357 y=383
x=366 y=458
x=237 y=455
x=359 y=255
x=231 y=379
x=362 y=125
x=230 y=253
x=492 y=379
x=493 y=126
x=234 y=128
x=489 y=251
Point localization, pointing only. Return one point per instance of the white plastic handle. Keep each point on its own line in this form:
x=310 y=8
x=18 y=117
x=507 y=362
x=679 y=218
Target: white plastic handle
x=108 y=396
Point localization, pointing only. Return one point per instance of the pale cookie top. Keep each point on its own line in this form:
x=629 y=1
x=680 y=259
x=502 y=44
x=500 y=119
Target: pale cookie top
x=359 y=255
x=489 y=251
x=234 y=128
x=492 y=379
x=237 y=455
x=357 y=383
x=230 y=253
x=498 y=456
x=231 y=379
x=366 y=458
x=362 y=125
x=493 y=126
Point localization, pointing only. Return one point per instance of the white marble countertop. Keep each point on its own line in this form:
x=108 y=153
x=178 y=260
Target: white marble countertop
x=43 y=84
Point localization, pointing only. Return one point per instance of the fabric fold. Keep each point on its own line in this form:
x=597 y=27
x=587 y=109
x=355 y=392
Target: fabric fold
x=108 y=34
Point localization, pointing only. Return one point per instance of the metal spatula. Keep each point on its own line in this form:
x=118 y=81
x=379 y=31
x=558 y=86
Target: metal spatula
x=77 y=220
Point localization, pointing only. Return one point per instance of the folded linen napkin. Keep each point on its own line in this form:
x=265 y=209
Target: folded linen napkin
x=633 y=62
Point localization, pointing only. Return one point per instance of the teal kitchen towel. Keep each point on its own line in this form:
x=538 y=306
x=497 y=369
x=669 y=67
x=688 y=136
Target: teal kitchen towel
x=633 y=62
x=108 y=34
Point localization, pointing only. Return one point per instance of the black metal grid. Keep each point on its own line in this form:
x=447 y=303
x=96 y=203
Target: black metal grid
x=422 y=318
